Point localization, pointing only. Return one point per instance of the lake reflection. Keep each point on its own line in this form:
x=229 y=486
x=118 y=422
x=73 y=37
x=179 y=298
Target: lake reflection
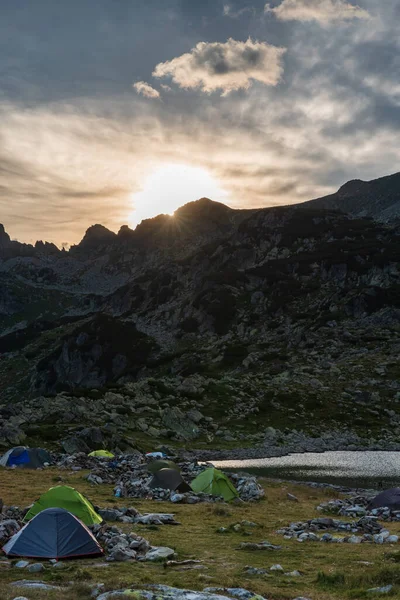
x=370 y=469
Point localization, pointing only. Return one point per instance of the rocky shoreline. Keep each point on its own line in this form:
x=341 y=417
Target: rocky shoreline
x=299 y=443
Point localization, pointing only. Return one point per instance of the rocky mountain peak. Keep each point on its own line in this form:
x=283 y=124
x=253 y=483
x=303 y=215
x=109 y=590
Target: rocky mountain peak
x=46 y=248
x=125 y=232
x=203 y=208
x=351 y=187
x=96 y=235
x=4 y=237
x=379 y=198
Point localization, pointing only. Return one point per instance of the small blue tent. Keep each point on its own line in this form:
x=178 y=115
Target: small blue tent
x=28 y=458
x=53 y=533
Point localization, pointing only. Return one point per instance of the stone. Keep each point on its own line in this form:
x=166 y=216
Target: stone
x=354 y=539
x=195 y=416
x=392 y=539
x=276 y=568
x=261 y=546
x=292 y=497
x=73 y=445
x=22 y=564
x=7 y=529
x=175 y=498
x=254 y=571
x=163 y=592
x=109 y=514
x=382 y=590
x=95 y=479
x=35 y=585
x=159 y=554
x=121 y=554
x=36 y=568
x=174 y=419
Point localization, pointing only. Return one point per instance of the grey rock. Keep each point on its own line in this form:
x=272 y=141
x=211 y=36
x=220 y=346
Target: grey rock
x=122 y=554
x=109 y=514
x=382 y=590
x=21 y=564
x=73 y=445
x=34 y=585
x=292 y=497
x=36 y=568
x=175 y=420
x=159 y=554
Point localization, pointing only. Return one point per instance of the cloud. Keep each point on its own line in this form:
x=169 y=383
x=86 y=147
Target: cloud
x=228 y=11
x=146 y=90
x=323 y=11
x=228 y=66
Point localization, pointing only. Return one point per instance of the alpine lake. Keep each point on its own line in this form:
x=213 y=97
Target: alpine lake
x=355 y=469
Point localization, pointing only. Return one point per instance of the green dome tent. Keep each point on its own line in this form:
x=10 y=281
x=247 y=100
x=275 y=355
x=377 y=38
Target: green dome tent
x=157 y=465
x=214 y=482
x=102 y=454
x=64 y=496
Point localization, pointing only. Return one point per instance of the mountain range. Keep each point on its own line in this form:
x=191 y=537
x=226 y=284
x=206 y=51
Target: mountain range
x=285 y=318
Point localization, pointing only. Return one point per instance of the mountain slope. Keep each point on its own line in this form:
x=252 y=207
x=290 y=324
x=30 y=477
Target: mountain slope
x=379 y=198
x=286 y=317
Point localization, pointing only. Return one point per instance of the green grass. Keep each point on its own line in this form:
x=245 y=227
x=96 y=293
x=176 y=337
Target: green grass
x=329 y=571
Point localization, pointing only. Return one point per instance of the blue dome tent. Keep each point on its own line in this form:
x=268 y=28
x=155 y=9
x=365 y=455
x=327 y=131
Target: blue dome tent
x=28 y=458
x=53 y=533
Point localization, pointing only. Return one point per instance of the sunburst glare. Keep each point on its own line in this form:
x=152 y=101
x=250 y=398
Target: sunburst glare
x=170 y=186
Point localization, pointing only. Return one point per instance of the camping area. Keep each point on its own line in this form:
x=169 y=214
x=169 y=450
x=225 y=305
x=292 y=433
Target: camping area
x=209 y=536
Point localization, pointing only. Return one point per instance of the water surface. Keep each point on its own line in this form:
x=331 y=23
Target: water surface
x=369 y=469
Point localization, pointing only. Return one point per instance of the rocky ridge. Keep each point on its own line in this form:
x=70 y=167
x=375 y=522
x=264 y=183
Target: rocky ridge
x=265 y=328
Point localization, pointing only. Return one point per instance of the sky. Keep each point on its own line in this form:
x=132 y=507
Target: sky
x=112 y=111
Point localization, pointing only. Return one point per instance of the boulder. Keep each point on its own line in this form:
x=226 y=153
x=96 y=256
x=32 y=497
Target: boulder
x=36 y=568
x=73 y=445
x=159 y=554
x=174 y=420
x=121 y=553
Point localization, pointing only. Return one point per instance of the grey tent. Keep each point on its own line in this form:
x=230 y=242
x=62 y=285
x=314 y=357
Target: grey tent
x=169 y=479
x=157 y=465
x=28 y=458
x=53 y=533
x=389 y=498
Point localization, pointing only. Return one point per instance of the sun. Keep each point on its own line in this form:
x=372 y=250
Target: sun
x=170 y=186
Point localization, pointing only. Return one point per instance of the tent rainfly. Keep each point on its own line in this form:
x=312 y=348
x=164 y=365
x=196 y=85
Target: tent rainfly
x=214 y=482
x=66 y=497
x=53 y=533
x=27 y=458
x=169 y=479
x=102 y=454
x=389 y=498
x=157 y=465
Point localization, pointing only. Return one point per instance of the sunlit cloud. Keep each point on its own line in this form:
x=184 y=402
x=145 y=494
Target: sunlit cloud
x=146 y=90
x=323 y=11
x=228 y=66
x=82 y=148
